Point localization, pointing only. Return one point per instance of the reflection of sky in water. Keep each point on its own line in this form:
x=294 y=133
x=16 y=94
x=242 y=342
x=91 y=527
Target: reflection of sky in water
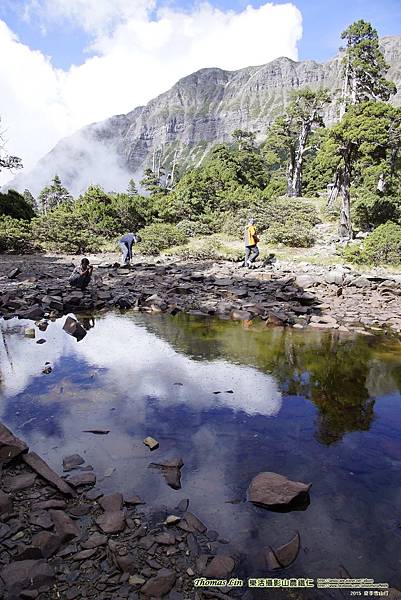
x=122 y=377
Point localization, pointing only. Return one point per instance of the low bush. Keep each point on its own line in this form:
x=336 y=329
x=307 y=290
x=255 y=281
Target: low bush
x=63 y=231
x=293 y=233
x=382 y=247
x=160 y=236
x=16 y=236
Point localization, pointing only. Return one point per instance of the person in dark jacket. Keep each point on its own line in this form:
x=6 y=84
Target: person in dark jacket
x=81 y=275
x=126 y=243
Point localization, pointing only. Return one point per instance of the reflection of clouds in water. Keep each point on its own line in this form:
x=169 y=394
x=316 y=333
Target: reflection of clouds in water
x=140 y=364
x=137 y=365
x=22 y=359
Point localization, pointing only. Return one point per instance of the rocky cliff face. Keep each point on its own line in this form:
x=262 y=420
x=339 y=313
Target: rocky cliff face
x=197 y=112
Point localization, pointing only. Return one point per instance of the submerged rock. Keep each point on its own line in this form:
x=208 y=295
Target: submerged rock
x=285 y=555
x=160 y=585
x=273 y=490
x=220 y=567
x=74 y=328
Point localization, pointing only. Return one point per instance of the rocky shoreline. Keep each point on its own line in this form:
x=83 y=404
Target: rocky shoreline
x=281 y=294
x=62 y=538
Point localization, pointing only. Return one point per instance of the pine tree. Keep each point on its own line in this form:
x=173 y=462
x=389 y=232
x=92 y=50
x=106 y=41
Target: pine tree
x=29 y=199
x=364 y=66
x=132 y=190
x=290 y=133
x=54 y=195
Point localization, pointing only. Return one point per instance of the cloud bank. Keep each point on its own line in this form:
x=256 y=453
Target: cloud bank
x=137 y=51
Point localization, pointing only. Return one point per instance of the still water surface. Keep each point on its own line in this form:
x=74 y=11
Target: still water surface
x=316 y=407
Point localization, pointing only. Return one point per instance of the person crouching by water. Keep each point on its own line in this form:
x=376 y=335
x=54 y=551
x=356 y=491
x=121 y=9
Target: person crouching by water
x=251 y=244
x=81 y=275
x=126 y=243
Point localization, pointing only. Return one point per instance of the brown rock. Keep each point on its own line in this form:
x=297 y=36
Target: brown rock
x=19 y=482
x=64 y=525
x=112 y=502
x=160 y=585
x=26 y=574
x=274 y=490
x=287 y=553
x=74 y=328
x=133 y=500
x=190 y=522
x=271 y=560
x=127 y=564
x=82 y=478
x=111 y=522
x=94 y=541
x=42 y=468
x=45 y=504
x=220 y=567
x=277 y=318
x=72 y=461
x=41 y=519
x=10 y=446
x=166 y=539
x=6 y=503
x=84 y=554
x=47 y=542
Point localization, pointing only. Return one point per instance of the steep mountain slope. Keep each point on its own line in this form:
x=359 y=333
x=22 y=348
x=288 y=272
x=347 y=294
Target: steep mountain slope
x=198 y=111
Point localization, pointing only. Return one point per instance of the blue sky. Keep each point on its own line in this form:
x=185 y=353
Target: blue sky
x=74 y=62
x=323 y=20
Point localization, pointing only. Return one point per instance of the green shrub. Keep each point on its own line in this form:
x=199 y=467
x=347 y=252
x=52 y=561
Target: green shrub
x=13 y=204
x=64 y=231
x=293 y=233
x=158 y=237
x=282 y=210
x=371 y=210
x=16 y=236
x=382 y=247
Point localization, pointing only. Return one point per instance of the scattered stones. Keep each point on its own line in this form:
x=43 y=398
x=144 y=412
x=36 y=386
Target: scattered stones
x=19 y=482
x=273 y=490
x=26 y=574
x=151 y=443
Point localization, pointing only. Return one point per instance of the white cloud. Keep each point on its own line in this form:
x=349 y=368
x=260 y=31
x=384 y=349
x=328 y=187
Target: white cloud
x=135 y=57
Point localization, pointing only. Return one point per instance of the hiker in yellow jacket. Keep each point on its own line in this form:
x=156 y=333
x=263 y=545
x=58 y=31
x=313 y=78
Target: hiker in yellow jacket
x=251 y=244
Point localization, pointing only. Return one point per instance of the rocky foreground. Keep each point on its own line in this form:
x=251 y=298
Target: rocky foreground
x=62 y=538
x=282 y=295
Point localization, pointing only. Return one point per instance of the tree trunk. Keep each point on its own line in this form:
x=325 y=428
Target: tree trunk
x=345 y=217
x=335 y=190
x=290 y=174
x=299 y=156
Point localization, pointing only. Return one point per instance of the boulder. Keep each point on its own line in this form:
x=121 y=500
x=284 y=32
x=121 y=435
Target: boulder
x=273 y=490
